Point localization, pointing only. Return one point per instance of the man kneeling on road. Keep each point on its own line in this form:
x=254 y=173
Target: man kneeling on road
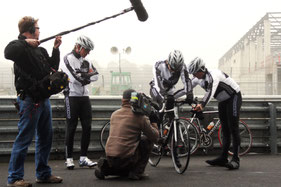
x=129 y=144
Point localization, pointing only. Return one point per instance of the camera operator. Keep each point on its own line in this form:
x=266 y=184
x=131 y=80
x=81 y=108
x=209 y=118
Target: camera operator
x=130 y=142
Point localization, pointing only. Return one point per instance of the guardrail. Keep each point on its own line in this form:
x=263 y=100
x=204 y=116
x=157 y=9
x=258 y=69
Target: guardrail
x=262 y=114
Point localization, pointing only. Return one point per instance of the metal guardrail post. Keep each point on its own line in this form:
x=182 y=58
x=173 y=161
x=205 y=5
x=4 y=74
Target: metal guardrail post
x=273 y=128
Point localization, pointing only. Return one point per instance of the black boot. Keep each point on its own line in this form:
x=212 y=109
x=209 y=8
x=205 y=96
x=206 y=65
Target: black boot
x=220 y=161
x=100 y=171
x=233 y=164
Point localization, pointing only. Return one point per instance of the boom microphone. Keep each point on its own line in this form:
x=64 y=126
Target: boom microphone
x=136 y=5
x=139 y=9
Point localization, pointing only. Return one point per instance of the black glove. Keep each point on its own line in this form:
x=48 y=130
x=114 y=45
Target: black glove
x=85 y=82
x=189 y=98
x=200 y=115
x=58 y=81
x=170 y=102
x=153 y=118
x=85 y=75
x=88 y=75
x=167 y=84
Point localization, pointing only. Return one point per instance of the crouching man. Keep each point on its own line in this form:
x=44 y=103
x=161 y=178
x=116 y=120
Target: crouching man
x=129 y=144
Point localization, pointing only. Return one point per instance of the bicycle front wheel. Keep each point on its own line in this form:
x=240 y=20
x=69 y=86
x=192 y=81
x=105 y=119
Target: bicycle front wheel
x=194 y=136
x=180 y=147
x=246 y=139
x=155 y=155
x=104 y=134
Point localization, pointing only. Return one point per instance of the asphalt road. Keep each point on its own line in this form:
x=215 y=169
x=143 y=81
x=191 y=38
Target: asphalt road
x=255 y=170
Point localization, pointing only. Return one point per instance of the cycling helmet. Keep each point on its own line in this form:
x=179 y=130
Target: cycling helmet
x=196 y=65
x=175 y=60
x=85 y=42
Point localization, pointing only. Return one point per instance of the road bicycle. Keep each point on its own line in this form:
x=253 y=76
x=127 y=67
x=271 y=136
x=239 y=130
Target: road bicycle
x=175 y=138
x=202 y=137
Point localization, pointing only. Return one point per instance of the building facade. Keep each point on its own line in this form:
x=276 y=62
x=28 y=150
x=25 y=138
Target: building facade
x=254 y=61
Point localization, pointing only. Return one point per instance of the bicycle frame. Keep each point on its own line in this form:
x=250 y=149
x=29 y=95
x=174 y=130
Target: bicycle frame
x=204 y=138
x=173 y=127
x=202 y=129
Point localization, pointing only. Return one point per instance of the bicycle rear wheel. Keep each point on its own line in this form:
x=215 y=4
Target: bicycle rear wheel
x=180 y=149
x=104 y=134
x=246 y=139
x=155 y=155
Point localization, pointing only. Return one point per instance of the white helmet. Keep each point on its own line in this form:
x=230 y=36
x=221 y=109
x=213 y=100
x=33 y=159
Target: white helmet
x=85 y=42
x=196 y=65
x=175 y=60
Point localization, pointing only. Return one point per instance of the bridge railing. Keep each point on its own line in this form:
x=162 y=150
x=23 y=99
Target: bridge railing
x=262 y=114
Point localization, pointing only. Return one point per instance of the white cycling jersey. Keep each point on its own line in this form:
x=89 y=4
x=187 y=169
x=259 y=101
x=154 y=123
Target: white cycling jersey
x=164 y=80
x=217 y=84
x=72 y=66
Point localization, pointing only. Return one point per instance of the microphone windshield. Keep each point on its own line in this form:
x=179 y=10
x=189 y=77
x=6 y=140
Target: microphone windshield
x=139 y=9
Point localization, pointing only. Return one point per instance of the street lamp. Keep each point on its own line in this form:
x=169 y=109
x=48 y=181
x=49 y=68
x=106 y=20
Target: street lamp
x=124 y=78
x=114 y=50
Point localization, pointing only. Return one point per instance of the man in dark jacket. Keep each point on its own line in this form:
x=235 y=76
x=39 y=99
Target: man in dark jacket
x=129 y=144
x=34 y=85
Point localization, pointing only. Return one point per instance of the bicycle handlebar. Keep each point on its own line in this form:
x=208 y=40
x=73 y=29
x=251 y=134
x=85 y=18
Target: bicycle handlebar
x=181 y=102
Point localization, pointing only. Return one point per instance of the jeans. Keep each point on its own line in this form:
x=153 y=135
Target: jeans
x=35 y=119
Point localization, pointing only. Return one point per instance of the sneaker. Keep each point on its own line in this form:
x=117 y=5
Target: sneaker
x=87 y=162
x=69 y=163
x=99 y=174
x=233 y=164
x=21 y=183
x=217 y=162
x=51 y=179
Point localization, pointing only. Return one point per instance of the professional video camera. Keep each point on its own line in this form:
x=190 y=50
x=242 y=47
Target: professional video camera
x=142 y=104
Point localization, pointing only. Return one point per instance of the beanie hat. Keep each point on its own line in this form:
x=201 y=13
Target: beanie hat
x=127 y=93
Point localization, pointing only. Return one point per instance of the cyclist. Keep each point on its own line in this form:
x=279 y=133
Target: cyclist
x=77 y=103
x=166 y=74
x=226 y=91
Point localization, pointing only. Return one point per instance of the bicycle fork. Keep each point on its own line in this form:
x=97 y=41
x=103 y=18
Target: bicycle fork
x=177 y=130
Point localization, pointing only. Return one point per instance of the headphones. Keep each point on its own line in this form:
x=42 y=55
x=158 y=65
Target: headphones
x=32 y=27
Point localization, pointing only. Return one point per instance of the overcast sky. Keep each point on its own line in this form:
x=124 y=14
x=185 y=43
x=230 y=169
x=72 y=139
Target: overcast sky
x=202 y=28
